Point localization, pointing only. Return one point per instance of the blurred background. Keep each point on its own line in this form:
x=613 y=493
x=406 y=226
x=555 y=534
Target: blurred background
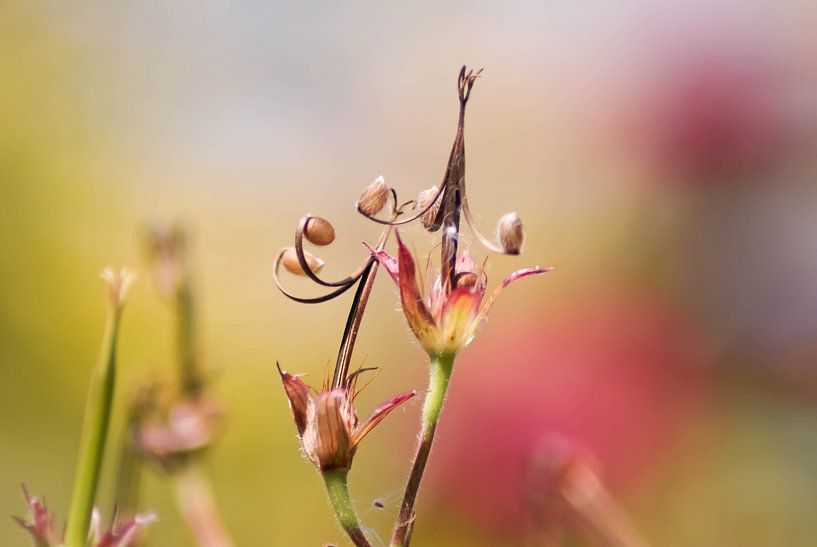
x=662 y=155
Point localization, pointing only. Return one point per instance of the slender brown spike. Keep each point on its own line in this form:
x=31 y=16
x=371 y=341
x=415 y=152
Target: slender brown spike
x=356 y=311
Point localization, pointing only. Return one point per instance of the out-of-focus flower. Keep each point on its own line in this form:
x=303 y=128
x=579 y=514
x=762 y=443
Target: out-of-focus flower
x=718 y=114
x=166 y=249
x=327 y=423
x=187 y=427
x=565 y=494
x=41 y=526
x=445 y=320
x=121 y=534
x=617 y=373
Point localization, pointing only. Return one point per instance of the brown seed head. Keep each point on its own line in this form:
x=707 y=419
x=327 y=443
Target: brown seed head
x=374 y=197
x=291 y=263
x=319 y=231
x=510 y=233
x=423 y=200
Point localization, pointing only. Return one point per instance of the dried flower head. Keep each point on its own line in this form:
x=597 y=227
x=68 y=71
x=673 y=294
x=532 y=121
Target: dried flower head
x=327 y=423
x=374 y=197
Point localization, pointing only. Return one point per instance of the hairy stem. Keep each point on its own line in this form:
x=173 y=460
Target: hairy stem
x=338 y=490
x=94 y=434
x=198 y=506
x=439 y=376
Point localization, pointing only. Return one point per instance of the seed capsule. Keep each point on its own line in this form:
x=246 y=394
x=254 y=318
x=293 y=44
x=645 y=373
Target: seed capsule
x=319 y=231
x=423 y=200
x=510 y=233
x=291 y=263
x=374 y=197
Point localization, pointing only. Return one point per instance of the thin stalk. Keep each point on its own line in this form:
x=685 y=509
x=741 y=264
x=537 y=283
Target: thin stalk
x=198 y=506
x=193 y=488
x=128 y=477
x=94 y=432
x=186 y=343
x=338 y=490
x=439 y=376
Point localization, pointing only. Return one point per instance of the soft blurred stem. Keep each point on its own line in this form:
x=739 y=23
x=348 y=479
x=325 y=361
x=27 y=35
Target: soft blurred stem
x=128 y=475
x=193 y=487
x=439 y=376
x=336 y=486
x=198 y=506
x=601 y=516
x=97 y=418
x=186 y=344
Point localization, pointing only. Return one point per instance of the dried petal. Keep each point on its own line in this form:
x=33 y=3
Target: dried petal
x=293 y=265
x=507 y=281
x=299 y=396
x=374 y=197
x=319 y=231
x=419 y=319
x=378 y=414
x=387 y=261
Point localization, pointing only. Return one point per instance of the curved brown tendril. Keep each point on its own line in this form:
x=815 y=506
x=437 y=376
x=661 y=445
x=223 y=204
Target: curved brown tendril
x=469 y=218
x=340 y=286
x=313 y=300
x=398 y=210
x=299 y=251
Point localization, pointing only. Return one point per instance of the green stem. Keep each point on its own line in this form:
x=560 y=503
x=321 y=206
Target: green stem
x=338 y=490
x=94 y=433
x=439 y=376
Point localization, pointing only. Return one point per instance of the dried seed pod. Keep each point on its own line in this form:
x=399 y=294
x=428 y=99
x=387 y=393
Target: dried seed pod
x=510 y=233
x=319 y=231
x=374 y=197
x=291 y=263
x=423 y=200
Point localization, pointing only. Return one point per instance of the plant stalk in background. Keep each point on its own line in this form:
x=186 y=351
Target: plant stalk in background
x=97 y=415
